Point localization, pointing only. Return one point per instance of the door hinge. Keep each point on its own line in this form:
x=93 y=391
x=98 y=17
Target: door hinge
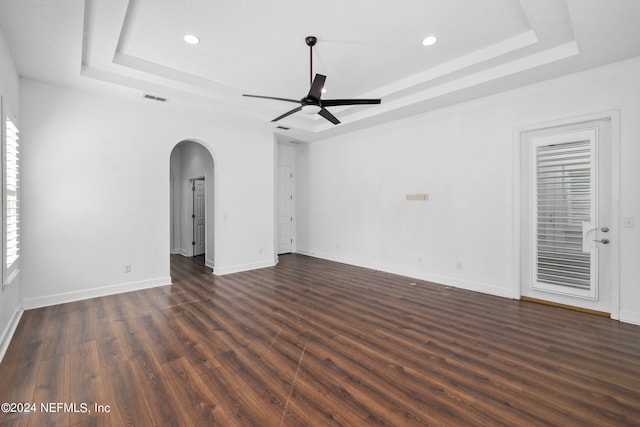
x=291 y=240
x=193 y=188
x=290 y=175
x=193 y=243
x=193 y=216
x=291 y=218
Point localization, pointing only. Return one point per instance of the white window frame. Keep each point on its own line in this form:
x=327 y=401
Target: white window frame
x=10 y=270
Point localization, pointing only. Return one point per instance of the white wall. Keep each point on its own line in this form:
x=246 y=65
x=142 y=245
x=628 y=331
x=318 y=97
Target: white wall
x=96 y=191
x=10 y=297
x=175 y=214
x=351 y=189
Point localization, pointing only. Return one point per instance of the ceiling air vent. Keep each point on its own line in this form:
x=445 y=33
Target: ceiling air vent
x=155 y=98
x=283 y=128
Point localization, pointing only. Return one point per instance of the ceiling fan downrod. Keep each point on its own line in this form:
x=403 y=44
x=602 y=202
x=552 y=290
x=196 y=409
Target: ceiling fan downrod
x=311 y=42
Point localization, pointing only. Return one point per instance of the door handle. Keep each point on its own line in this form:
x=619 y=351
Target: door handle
x=603 y=241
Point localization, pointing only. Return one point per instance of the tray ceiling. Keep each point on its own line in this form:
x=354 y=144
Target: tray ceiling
x=366 y=48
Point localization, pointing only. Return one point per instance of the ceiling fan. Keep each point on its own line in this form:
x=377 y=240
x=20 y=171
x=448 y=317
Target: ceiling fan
x=313 y=102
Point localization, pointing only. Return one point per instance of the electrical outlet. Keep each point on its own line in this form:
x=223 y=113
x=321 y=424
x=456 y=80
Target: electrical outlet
x=458 y=265
x=127 y=268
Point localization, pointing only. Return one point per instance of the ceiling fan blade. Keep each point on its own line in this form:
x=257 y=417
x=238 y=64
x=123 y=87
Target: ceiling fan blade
x=336 y=102
x=288 y=113
x=297 y=101
x=327 y=115
x=316 y=87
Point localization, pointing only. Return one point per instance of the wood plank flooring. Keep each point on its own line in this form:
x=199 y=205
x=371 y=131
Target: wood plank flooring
x=317 y=343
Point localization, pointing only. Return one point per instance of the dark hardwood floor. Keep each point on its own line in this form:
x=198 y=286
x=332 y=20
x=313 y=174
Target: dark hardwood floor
x=316 y=343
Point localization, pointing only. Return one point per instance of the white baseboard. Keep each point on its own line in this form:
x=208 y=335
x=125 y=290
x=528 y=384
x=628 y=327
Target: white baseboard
x=47 y=300
x=221 y=271
x=419 y=275
x=628 y=316
x=8 y=332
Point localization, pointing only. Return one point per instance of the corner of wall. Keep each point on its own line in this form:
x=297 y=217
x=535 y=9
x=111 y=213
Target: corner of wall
x=7 y=334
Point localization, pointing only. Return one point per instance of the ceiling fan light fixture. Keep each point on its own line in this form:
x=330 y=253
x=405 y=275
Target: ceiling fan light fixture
x=311 y=109
x=191 y=39
x=429 y=41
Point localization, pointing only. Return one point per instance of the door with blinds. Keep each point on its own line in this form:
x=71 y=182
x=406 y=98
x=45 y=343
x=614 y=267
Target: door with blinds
x=568 y=216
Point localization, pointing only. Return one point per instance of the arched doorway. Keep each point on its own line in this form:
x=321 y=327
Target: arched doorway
x=192 y=201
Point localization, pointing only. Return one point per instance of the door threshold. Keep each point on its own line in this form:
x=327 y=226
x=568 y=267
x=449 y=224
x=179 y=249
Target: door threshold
x=568 y=307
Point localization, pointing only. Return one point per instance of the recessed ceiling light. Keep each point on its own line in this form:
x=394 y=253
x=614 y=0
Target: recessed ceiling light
x=191 y=39
x=429 y=40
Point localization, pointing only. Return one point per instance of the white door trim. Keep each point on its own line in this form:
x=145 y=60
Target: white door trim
x=614 y=116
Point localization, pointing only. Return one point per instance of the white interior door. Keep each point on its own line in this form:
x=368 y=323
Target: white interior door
x=285 y=209
x=566 y=207
x=198 y=217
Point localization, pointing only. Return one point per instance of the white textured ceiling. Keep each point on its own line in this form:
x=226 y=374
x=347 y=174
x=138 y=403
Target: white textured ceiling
x=367 y=48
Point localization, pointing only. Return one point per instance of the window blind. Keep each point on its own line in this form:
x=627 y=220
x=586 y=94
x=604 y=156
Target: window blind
x=563 y=202
x=11 y=201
